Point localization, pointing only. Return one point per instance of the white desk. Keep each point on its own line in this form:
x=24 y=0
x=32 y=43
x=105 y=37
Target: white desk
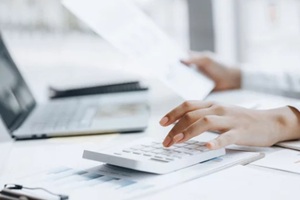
x=30 y=156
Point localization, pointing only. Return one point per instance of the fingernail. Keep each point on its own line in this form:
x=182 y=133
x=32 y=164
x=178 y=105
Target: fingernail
x=178 y=137
x=167 y=141
x=164 y=121
x=211 y=145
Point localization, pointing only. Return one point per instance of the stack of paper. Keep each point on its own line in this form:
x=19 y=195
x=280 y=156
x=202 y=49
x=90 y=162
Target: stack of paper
x=236 y=183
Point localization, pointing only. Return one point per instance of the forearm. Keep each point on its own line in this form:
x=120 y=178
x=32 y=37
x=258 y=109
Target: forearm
x=272 y=81
x=235 y=81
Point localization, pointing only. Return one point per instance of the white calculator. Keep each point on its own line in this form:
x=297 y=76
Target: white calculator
x=151 y=156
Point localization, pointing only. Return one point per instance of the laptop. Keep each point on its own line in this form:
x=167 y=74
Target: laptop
x=94 y=114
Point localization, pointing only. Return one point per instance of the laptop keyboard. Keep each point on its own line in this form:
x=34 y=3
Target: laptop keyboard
x=64 y=117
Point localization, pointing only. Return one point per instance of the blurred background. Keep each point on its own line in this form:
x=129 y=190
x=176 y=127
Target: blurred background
x=264 y=33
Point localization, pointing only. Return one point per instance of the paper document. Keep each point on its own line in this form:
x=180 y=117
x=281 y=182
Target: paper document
x=236 y=183
x=113 y=182
x=290 y=144
x=286 y=160
x=132 y=32
x=251 y=99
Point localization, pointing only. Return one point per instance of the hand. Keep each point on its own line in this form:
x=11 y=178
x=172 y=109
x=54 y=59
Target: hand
x=225 y=78
x=237 y=125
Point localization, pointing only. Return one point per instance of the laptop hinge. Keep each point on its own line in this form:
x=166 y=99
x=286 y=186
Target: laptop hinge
x=20 y=119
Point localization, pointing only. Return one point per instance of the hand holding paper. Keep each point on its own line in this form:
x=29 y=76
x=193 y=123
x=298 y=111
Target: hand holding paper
x=126 y=27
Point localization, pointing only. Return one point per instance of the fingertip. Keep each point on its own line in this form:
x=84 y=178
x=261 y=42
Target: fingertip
x=164 y=121
x=167 y=141
x=211 y=145
x=185 y=62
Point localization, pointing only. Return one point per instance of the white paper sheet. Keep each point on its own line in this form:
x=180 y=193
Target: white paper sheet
x=132 y=32
x=286 y=160
x=236 y=183
x=109 y=182
x=290 y=144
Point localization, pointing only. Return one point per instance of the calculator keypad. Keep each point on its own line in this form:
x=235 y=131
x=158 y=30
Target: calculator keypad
x=156 y=152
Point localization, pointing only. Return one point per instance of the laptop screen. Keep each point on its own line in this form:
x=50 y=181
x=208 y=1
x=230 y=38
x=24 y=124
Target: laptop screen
x=16 y=100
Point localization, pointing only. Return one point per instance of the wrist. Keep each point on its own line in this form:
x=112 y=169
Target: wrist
x=235 y=78
x=287 y=120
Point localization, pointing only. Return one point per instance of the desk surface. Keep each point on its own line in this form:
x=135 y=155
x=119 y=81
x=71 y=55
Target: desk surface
x=30 y=156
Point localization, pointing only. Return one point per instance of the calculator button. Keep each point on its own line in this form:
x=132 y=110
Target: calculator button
x=137 y=152
x=201 y=143
x=166 y=149
x=187 y=151
x=158 y=157
x=169 y=159
x=166 y=153
x=138 y=147
x=191 y=142
x=146 y=145
x=180 y=145
x=202 y=149
x=127 y=151
x=157 y=151
x=148 y=149
x=170 y=148
x=157 y=146
x=177 y=155
x=193 y=146
x=159 y=160
x=155 y=142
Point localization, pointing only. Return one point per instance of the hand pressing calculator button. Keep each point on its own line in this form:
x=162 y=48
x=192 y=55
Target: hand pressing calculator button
x=151 y=156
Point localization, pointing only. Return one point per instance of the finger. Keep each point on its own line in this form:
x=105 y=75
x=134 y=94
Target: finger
x=182 y=109
x=201 y=62
x=186 y=62
x=190 y=118
x=207 y=123
x=210 y=122
x=223 y=140
x=194 y=61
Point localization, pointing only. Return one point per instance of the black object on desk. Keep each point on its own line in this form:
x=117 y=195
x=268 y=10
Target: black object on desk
x=9 y=193
x=102 y=89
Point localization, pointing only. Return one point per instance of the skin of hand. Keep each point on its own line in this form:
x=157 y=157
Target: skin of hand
x=224 y=77
x=236 y=125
